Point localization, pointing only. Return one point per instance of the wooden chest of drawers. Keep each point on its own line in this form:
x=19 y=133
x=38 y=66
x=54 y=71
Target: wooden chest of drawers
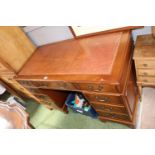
x=100 y=67
x=144 y=57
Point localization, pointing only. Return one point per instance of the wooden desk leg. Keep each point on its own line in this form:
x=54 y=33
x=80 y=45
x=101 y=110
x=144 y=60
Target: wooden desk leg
x=140 y=92
x=132 y=126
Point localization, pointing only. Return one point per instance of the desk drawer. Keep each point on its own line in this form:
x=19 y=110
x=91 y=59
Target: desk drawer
x=146 y=79
x=146 y=72
x=48 y=84
x=92 y=87
x=108 y=99
x=145 y=63
x=111 y=108
x=113 y=116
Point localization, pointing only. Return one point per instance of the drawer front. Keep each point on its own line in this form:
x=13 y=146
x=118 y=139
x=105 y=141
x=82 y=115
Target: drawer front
x=146 y=72
x=48 y=84
x=113 y=116
x=145 y=63
x=108 y=99
x=107 y=108
x=96 y=87
x=146 y=79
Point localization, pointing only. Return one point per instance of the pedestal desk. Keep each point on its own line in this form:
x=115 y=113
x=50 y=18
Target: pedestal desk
x=100 y=67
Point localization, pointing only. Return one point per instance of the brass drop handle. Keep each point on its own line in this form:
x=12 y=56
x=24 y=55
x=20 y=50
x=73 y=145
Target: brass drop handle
x=100 y=88
x=90 y=87
x=113 y=116
x=102 y=100
x=63 y=86
x=105 y=99
x=97 y=90
x=145 y=65
x=108 y=109
x=107 y=114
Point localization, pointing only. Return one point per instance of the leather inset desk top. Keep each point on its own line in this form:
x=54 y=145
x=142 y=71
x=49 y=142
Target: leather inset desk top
x=92 y=55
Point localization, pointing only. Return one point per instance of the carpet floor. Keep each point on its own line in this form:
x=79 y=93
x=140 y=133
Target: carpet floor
x=148 y=109
x=43 y=118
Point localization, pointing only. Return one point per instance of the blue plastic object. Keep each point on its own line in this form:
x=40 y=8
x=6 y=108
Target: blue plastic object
x=70 y=103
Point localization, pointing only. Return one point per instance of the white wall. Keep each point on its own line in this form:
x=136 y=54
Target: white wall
x=145 y=30
x=41 y=35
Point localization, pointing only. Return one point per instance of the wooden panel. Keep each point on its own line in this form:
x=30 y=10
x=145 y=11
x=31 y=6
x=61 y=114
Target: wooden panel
x=15 y=47
x=127 y=65
x=131 y=91
x=54 y=98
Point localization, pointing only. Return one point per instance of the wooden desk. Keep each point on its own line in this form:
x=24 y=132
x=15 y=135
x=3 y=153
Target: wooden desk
x=99 y=66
